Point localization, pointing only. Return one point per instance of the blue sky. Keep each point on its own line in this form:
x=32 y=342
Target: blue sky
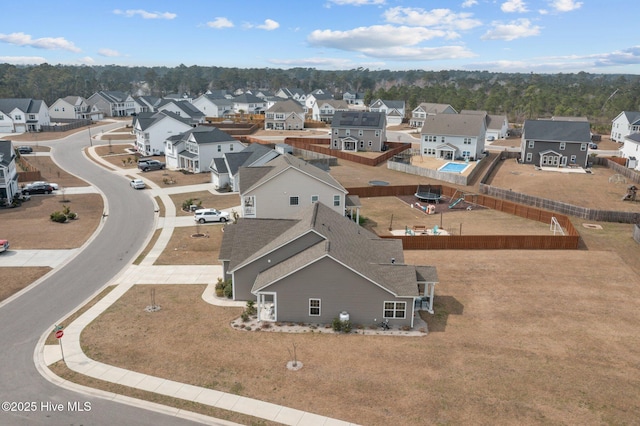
x=544 y=36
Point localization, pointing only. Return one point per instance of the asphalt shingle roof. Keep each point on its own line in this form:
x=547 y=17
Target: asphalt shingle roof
x=358 y=119
x=453 y=124
x=557 y=131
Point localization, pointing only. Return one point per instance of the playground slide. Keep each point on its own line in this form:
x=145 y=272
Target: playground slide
x=456 y=202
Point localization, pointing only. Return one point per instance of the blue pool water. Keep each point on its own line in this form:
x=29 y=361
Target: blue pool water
x=453 y=167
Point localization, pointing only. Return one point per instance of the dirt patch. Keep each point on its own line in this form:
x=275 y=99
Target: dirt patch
x=114 y=149
x=52 y=173
x=182 y=249
x=31 y=227
x=15 y=279
x=165 y=178
x=208 y=200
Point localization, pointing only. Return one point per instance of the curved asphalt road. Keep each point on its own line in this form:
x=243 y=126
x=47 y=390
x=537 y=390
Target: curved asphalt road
x=25 y=319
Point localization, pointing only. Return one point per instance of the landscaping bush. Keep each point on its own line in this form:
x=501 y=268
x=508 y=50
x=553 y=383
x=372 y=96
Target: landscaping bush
x=228 y=289
x=58 y=217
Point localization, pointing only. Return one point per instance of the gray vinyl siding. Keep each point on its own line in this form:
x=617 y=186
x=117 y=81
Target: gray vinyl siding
x=339 y=289
x=244 y=278
x=571 y=148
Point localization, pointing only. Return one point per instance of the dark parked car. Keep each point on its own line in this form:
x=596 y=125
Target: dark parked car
x=146 y=165
x=37 y=188
x=25 y=149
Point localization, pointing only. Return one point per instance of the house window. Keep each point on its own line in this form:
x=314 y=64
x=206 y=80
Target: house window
x=360 y=132
x=1 y=117
x=563 y=146
x=293 y=201
x=314 y=307
x=335 y=143
x=466 y=154
x=377 y=133
x=531 y=144
x=336 y=200
x=370 y=143
x=361 y=144
x=314 y=198
x=219 y=148
x=467 y=141
x=231 y=147
x=347 y=132
x=529 y=157
x=573 y=159
x=395 y=309
x=442 y=139
x=33 y=116
x=583 y=147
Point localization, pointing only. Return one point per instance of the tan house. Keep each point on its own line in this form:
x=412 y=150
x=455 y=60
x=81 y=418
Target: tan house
x=425 y=109
x=284 y=115
x=320 y=266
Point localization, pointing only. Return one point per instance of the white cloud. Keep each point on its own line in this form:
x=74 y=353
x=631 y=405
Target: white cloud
x=48 y=43
x=87 y=60
x=129 y=13
x=109 y=53
x=437 y=18
x=517 y=29
x=377 y=36
x=269 y=25
x=512 y=6
x=565 y=5
x=220 y=22
x=469 y=3
x=356 y=2
x=388 y=42
x=22 y=60
x=336 y=63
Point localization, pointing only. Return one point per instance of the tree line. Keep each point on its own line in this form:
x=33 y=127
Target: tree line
x=520 y=96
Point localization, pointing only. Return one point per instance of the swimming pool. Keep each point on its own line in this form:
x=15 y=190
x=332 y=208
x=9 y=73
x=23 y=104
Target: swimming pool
x=454 y=167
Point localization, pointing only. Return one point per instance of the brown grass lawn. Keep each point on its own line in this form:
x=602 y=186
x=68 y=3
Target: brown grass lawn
x=52 y=173
x=208 y=199
x=15 y=279
x=184 y=249
x=31 y=227
x=177 y=177
x=114 y=149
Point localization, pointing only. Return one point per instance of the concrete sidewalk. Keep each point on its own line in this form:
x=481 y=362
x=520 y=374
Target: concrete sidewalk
x=148 y=273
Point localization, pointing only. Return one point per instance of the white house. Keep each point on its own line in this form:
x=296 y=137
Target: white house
x=213 y=105
x=497 y=125
x=145 y=103
x=224 y=171
x=631 y=150
x=294 y=93
x=74 y=108
x=354 y=98
x=183 y=109
x=425 y=109
x=626 y=123
x=394 y=110
x=249 y=104
x=153 y=129
x=314 y=98
x=196 y=148
x=8 y=173
x=324 y=110
x=453 y=136
x=284 y=186
x=19 y=115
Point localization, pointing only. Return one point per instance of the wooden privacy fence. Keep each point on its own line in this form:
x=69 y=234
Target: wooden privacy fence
x=570 y=239
x=321 y=145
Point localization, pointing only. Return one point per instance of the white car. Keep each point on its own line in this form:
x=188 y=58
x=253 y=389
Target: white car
x=4 y=245
x=210 y=215
x=137 y=184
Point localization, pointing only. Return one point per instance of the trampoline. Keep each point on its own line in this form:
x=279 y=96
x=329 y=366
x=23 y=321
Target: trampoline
x=427 y=193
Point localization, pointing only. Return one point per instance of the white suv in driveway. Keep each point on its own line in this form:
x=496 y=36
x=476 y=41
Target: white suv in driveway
x=210 y=215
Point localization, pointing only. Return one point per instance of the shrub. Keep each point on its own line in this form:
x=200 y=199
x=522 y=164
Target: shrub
x=346 y=326
x=337 y=325
x=186 y=204
x=66 y=210
x=228 y=289
x=251 y=308
x=58 y=217
x=72 y=216
x=244 y=316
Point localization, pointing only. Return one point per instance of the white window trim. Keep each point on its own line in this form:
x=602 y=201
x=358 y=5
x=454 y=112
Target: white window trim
x=395 y=309
x=319 y=307
x=317 y=198
x=291 y=200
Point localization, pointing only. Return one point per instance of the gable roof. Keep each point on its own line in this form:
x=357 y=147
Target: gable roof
x=244 y=158
x=389 y=104
x=209 y=134
x=252 y=177
x=339 y=239
x=248 y=98
x=633 y=137
x=288 y=105
x=557 y=131
x=453 y=124
x=496 y=121
x=6 y=153
x=432 y=108
x=148 y=119
x=334 y=103
x=358 y=119
x=185 y=106
x=23 y=104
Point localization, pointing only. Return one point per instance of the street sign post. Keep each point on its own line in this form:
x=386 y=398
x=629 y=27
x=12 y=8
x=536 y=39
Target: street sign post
x=59 y=333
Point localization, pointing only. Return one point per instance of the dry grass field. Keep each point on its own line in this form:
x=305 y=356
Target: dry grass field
x=208 y=200
x=51 y=172
x=186 y=249
x=176 y=178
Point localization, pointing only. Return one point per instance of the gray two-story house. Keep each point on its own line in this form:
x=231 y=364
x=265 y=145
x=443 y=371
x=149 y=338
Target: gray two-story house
x=8 y=173
x=358 y=131
x=551 y=143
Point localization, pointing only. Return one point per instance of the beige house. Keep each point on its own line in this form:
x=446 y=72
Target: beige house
x=284 y=115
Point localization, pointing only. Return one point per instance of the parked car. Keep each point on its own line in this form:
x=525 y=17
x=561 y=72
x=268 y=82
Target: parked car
x=4 y=245
x=137 y=184
x=491 y=138
x=593 y=145
x=210 y=215
x=24 y=149
x=40 y=188
x=146 y=165
x=40 y=182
